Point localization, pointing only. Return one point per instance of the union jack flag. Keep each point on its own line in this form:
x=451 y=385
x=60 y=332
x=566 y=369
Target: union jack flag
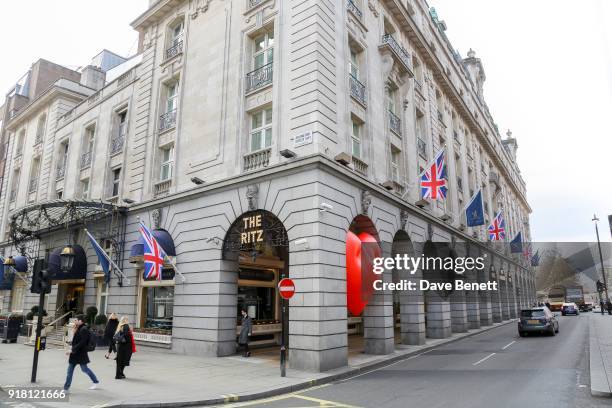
x=497 y=229
x=527 y=251
x=433 y=179
x=153 y=255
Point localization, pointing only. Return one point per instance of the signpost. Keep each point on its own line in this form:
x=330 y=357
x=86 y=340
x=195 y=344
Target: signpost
x=286 y=290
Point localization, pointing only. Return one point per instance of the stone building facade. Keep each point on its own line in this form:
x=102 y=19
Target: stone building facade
x=313 y=117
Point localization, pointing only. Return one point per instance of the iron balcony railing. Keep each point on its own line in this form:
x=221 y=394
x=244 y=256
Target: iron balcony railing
x=258 y=159
x=167 y=120
x=352 y=7
x=418 y=87
x=175 y=49
x=421 y=147
x=253 y=3
x=86 y=160
x=358 y=90
x=399 y=51
x=117 y=144
x=60 y=172
x=259 y=78
x=13 y=195
x=395 y=123
x=459 y=184
x=33 y=185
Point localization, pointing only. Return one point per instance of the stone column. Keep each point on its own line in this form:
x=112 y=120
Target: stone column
x=505 y=307
x=438 y=312
x=412 y=315
x=458 y=309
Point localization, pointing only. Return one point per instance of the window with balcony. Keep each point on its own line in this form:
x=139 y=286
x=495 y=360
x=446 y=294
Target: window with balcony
x=40 y=129
x=261 y=129
x=34 y=173
x=20 y=142
x=62 y=160
x=262 y=61
x=391 y=101
x=166 y=163
x=88 y=146
x=115 y=181
x=119 y=132
x=171 y=94
x=84 y=189
x=357 y=88
x=175 y=39
x=15 y=184
x=418 y=74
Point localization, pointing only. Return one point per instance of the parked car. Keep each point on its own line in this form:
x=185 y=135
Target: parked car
x=569 y=309
x=539 y=320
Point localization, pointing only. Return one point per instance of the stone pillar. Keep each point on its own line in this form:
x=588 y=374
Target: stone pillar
x=505 y=307
x=412 y=315
x=458 y=309
x=473 y=309
x=438 y=312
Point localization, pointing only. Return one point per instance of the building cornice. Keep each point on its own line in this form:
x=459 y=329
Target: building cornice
x=154 y=14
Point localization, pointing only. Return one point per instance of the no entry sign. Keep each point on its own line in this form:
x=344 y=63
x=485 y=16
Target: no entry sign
x=286 y=288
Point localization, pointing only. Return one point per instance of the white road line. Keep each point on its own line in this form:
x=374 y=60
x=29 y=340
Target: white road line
x=386 y=366
x=481 y=360
x=508 y=345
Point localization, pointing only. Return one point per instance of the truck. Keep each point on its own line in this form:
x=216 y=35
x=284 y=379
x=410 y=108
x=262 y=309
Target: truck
x=575 y=294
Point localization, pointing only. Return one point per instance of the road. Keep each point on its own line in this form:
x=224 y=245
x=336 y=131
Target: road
x=496 y=368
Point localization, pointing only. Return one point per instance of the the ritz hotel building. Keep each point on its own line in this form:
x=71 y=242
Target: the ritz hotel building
x=313 y=118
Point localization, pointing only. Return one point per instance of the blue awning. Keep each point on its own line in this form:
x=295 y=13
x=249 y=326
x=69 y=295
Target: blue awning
x=6 y=280
x=163 y=238
x=79 y=267
x=21 y=263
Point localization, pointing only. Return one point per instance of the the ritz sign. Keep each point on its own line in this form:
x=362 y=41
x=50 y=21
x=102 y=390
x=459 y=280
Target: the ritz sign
x=253 y=232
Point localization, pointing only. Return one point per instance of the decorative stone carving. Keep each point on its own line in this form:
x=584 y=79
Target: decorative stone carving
x=200 y=8
x=156 y=218
x=373 y=9
x=403 y=219
x=252 y=196
x=366 y=201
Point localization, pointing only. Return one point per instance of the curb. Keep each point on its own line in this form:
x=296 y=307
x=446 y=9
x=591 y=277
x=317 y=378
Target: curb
x=598 y=378
x=362 y=369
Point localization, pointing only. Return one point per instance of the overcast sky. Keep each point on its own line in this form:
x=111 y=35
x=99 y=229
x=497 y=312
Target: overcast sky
x=549 y=79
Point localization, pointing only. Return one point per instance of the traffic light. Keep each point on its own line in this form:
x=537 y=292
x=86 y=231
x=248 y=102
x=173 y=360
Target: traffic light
x=41 y=282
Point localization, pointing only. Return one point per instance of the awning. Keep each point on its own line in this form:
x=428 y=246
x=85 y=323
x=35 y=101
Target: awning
x=21 y=263
x=79 y=267
x=6 y=280
x=163 y=238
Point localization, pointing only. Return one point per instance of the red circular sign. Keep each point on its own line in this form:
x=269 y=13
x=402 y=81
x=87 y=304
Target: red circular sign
x=286 y=288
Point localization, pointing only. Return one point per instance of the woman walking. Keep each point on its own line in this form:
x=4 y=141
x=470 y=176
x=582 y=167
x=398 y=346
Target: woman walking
x=125 y=347
x=78 y=353
x=109 y=332
x=245 y=332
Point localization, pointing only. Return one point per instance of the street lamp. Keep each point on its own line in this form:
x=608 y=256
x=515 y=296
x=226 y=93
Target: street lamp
x=67 y=258
x=603 y=271
x=10 y=262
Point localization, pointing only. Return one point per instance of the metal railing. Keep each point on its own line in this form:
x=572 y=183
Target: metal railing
x=85 y=160
x=167 y=120
x=459 y=184
x=117 y=144
x=259 y=78
x=258 y=159
x=253 y=3
x=33 y=184
x=358 y=90
x=38 y=139
x=60 y=172
x=13 y=195
x=395 y=123
x=175 y=49
x=352 y=7
x=418 y=87
x=399 y=51
x=421 y=147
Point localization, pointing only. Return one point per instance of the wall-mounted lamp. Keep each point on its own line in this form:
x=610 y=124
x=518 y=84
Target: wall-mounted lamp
x=288 y=154
x=197 y=181
x=302 y=242
x=325 y=207
x=67 y=258
x=128 y=201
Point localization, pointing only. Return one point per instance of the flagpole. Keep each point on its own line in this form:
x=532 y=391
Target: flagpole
x=108 y=258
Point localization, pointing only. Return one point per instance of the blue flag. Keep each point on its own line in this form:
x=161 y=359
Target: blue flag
x=102 y=256
x=535 y=260
x=516 y=245
x=474 y=212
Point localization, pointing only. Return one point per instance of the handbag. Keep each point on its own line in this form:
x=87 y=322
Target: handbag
x=119 y=337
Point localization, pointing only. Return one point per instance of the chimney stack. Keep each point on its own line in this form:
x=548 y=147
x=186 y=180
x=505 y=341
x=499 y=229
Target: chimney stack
x=93 y=77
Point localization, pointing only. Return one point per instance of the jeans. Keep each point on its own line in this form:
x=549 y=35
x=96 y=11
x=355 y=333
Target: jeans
x=84 y=369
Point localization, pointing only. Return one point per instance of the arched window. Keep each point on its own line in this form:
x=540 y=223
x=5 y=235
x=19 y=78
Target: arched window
x=40 y=129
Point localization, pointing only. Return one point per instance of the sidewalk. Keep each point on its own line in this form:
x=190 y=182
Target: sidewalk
x=159 y=378
x=600 y=354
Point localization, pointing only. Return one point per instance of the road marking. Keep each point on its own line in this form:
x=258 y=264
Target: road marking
x=483 y=359
x=324 y=403
x=386 y=366
x=508 y=345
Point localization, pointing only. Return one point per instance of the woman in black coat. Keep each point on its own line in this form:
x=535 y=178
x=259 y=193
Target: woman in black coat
x=123 y=337
x=109 y=333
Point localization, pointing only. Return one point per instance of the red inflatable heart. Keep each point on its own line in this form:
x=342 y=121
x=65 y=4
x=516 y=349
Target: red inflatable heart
x=360 y=253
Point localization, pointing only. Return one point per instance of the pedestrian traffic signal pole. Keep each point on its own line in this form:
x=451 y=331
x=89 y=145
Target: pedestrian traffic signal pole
x=603 y=271
x=41 y=304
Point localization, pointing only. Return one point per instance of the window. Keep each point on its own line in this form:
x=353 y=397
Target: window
x=116 y=181
x=177 y=33
x=15 y=184
x=122 y=123
x=84 y=188
x=159 y=305
x=171 y=96
x=261 y=129
x=40 y=128
x=90 y=132
x=62 y=160
x=354 y=64
x=356 y=139
x=391 y=97
x=118 y=139
x=33 y=184
x=263 y=52
x=395 y=159
x=102 y=296
x=167 y=163
x=59 y=194
x=20 y=142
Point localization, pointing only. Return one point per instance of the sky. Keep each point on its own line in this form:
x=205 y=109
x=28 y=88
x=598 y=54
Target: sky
x=549 y=79
x=548 y=65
